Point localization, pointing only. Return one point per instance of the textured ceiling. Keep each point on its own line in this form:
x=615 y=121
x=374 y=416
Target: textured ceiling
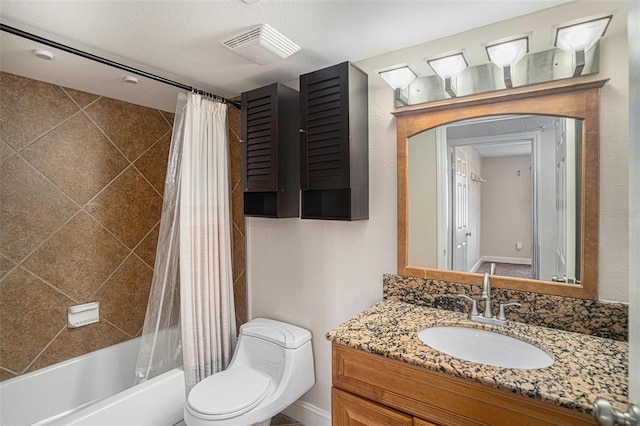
x=180 y=40
x=512 y=133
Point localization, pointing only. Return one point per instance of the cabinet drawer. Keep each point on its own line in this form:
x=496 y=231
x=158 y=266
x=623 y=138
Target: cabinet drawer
x=350 y=410
x=440 y=398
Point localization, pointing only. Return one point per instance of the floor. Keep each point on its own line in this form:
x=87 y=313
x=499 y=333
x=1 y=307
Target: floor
x=508 y=270
x=282 y=420
x=278 y=420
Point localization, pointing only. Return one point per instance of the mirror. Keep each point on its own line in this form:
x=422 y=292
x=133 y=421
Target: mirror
x=477 y=183
x=499 y=189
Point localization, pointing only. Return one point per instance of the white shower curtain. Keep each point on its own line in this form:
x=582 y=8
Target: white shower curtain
x=191 y=309
x=206 y=279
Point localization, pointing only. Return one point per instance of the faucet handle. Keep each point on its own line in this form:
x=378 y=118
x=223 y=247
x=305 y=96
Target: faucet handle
x=474 y=304
x=492 y=269
x=501 y=315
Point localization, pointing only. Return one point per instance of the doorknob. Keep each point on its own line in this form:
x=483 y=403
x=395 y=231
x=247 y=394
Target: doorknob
x=606 y=415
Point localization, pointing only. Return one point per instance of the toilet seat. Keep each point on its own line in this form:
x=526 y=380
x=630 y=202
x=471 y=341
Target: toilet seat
x=227 y=394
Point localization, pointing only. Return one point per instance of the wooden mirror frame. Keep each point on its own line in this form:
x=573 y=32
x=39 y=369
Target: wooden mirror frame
x=567 y=98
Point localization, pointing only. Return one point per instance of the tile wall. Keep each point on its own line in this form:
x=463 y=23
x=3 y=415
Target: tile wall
x=237 y=213
x=81 y=184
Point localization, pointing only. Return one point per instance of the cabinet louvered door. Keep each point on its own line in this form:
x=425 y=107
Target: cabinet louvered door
x=334 y=169
x=260 y=136
x=324 y=98
x=271 y=152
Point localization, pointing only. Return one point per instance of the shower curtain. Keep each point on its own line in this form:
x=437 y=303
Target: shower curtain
x=190 y=317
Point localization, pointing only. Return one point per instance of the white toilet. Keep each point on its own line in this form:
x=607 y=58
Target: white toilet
x=271 y=368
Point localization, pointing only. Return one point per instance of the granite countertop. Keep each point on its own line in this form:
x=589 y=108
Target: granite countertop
x=585 y=366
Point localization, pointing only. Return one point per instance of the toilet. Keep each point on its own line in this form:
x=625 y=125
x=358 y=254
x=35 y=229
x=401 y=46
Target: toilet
x=271 y=368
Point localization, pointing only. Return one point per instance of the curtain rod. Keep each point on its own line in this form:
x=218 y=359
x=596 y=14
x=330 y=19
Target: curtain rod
x=114 y=64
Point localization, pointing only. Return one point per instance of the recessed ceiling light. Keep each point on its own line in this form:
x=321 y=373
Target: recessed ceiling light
x=131 y=79
x=43 y=54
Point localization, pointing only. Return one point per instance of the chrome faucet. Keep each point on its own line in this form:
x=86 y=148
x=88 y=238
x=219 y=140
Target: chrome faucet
x=486 y=316
x=486 y=295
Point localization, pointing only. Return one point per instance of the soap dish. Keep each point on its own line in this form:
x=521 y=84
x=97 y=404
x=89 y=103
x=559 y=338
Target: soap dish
x=85 y=314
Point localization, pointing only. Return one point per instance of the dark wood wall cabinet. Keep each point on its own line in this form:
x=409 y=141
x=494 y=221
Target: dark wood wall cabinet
x=271 y=151
x=334 y=143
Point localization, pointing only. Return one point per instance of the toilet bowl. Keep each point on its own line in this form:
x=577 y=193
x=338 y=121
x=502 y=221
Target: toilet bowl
x=271 y=368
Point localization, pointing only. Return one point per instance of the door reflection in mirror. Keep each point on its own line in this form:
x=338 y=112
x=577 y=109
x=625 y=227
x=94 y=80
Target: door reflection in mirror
x=503 y=189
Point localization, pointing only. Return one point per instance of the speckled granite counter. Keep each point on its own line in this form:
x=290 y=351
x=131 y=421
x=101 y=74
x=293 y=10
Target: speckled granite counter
x=585 y=366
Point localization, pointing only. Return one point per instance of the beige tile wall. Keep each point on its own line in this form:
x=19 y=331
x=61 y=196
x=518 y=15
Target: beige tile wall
x=239 y=240
x=81 y=184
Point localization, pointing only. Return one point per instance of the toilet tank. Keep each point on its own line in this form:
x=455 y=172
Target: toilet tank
x=282 y=334
x=269 y=346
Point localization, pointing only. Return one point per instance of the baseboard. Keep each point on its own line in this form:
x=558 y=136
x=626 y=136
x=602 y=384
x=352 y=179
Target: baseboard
x=475 y=267
x=513 y=260
x=308 y=414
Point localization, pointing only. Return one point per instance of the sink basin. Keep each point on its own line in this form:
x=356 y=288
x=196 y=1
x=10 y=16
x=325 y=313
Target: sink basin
x=485 y=347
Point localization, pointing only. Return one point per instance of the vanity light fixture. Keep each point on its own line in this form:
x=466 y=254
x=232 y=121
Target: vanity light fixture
x=579 y=37
x=398 y=77
x=575 y=52
x=506 y=54
x=449 y=67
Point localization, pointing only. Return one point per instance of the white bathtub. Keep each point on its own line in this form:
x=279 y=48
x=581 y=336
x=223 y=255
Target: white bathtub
x=94 y=389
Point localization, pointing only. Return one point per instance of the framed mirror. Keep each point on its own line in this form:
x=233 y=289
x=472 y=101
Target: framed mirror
x=509 y=177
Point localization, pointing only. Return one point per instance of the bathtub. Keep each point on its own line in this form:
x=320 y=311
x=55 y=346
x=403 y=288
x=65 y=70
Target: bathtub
x=94 y=389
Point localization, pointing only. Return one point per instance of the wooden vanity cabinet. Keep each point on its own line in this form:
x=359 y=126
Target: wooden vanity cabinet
x=372 y=390
x=334 y=143
x=271 y=151
x=349 y=409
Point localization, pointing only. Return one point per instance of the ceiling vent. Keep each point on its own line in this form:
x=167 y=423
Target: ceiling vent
x=262 y=45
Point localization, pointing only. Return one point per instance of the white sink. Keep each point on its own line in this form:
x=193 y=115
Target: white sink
x=485 y=347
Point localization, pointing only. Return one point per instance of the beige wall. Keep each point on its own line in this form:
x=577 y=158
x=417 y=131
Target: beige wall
x=320 y=273
x=506 y=207
x=423 y=200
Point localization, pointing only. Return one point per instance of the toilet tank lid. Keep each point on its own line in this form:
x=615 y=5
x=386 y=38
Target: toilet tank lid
x=283 y=334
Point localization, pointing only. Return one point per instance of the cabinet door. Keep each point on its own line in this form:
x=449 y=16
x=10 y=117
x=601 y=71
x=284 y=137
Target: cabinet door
x=259 y=133
x=351 y=410
x=324 y=136
x=420 y=422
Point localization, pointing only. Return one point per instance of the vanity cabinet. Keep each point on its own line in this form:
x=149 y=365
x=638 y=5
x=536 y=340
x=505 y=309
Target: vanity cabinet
x=349 y=409
x=334 y=143
x=372 y=390
x=271 y=151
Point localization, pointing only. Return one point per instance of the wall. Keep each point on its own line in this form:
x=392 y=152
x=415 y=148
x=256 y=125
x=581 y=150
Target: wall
x=319 y=273
x=82 y=178
x=423 y=200
x=81 y=195
x=634 y=205
x=238 y=232
x=506 y=207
